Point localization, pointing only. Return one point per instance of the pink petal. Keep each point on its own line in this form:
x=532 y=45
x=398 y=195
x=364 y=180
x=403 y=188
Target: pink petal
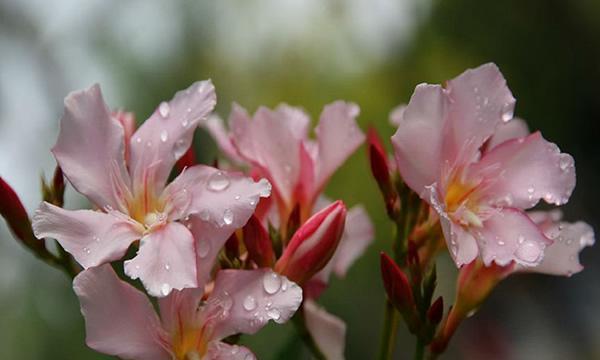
x=327 y=330
x=167 y=134
x=179 y=309
x=513 y=129
x=119 y=320
x=510 y=235
x=272 y=141
x=358 y=234
x=338 y=136
x=92 y=237
x=243 y=301
x=461 y=244
x=214 y=125
x=422 y=123
x=165 y=260
x=218 y=350
x=224 y=198
x=90 y=149
x=480 y=101
x=397 y=114
x=521 y=171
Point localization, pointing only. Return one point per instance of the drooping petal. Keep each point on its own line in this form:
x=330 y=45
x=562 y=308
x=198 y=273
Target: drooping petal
x=218 y=350
x=522 y=171
x=510 y=235
x=90 y=149
x=480 y=101
x=514 y=129
x=422 y=123
x=165 y=260
x=214 y=125
x=461 y=244
x=358 y=234
x=226 y=199
x=243 y=301
x=338 y=136
x=271 y=141
x=168 y=133
x=119 y=320
x=92 y=237
x=327 y=330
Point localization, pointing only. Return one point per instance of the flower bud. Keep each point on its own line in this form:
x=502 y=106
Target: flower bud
x=186 y=160
x=436 y=311
x=313 y=244
x=127 y=120
x=396 y=285
x=381 y=172
x=258 y=243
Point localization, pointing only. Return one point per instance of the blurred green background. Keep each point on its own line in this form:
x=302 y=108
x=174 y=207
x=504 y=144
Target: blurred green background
x=306 y=53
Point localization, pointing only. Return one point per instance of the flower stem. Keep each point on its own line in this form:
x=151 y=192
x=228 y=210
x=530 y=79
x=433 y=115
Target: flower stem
x=299 y=323
x=419 y=349
x=390 y=329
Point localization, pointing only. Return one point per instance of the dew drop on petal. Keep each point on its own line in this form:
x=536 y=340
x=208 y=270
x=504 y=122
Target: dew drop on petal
x=507 y=112
x=521 y=239
x=226 y=301
x=249 y=303
x=204 y=215
x=271 y=283
x=228 y=217
x=237 y=197
x=185 y=123
x=203 y=248
x=180 y=148
x=235 y=349
x=164 y=135
x=164 y=109
x=529 y=251
x=87 y=250
x=167 y=267
x=148 y=143
x=138 y=139
x=274 y=314
x=96 y=239
x=218 y=181
x=265 y=187
x=249 y=357
x=165 y=289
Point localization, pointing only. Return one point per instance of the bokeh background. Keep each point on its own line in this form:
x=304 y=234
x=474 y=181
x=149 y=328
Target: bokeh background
x=306 y=53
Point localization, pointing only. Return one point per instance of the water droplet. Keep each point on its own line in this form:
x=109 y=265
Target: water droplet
x=226 y=302
x=185 y=122
x=235 y=349
x=228 y=217
x=203 y=248
x=165 y=289
x=237 y=197
x=167 y=267
x=249 y=357
x=148 y=143
x=271 y=283
x=520 y=239
x=501 y=243
x=218 y=181
x=163 y=109
x=87 y=250
x=204 y=215
x=565 y=162
x=265 y=187
x=530 y=190
x=529 y=251
x=180 y=148
x=138 y=139
x=96 y=239
x=274 y=314
x=189 y=110
x=284 y=286
x=137 y=267
x=507 y=112
x=164 y=135
x=249 y=303
x=569 y=241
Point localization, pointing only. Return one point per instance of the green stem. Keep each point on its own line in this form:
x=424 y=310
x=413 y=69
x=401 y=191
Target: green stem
x=300 y=325
x=419 y=349
x=390 y=329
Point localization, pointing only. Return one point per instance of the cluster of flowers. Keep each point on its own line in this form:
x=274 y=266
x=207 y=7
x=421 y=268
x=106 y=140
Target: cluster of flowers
x=222 y=251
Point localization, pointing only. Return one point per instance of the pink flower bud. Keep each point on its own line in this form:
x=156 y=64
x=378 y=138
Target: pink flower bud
x=436 y=311
x=258 y=243
x=396 y=285
x=381 y=172
x=313 y=244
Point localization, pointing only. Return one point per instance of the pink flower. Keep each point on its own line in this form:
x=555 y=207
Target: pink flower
x=121 y=321
x=181 y=225
x=459 y=148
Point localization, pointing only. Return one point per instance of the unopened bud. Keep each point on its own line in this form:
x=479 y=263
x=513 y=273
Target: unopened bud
x=258 y=243
x=313 y=244
x=396 y=285
x=381 y=172
x=186 y=160
x=436 y=311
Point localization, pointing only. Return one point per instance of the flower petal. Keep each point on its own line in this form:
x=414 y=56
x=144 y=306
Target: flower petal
x=243 y=301
x=168 y=133
x=90 y=149
x=521 y=171
x=214 y=125
x=218 y=350
x=119 y=320
x=514 y=129
x=480 y=101
x=461 y=244
x=338 y=136
x=179 y=309
x=92 y=237
x=327 y=330
x=510 y=235
x=165 y=260
x=358 y=234
x=422 y=123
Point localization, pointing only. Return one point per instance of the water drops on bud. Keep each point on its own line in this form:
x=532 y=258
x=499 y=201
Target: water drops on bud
x=218 y=181
x=271 y=283
x=164 y=109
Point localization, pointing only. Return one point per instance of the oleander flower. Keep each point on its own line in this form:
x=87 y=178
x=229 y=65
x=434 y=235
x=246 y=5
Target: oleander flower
x=460 y=149
x=181 y=225
x=121 y=321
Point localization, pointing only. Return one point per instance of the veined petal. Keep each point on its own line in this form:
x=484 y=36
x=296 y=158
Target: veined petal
x=422 y=123
x=461 y=244
x=119 y=320
x=179 y=309
x=165 y=260
x=92 y=237
x=525 y=170
x=218 y=350
x=514 y=129
x=243 y=301
x=90 y=149
x=168 y=133
x=480 y=101
x=510 y=235
x=338 y=136
x=327 y=330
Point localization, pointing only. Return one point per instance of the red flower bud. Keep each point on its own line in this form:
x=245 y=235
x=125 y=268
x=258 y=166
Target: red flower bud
x=188 y=159
x=258 y=243
x=396 y=285
x=436 y=311
x=381 y=172
x=313 y=245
